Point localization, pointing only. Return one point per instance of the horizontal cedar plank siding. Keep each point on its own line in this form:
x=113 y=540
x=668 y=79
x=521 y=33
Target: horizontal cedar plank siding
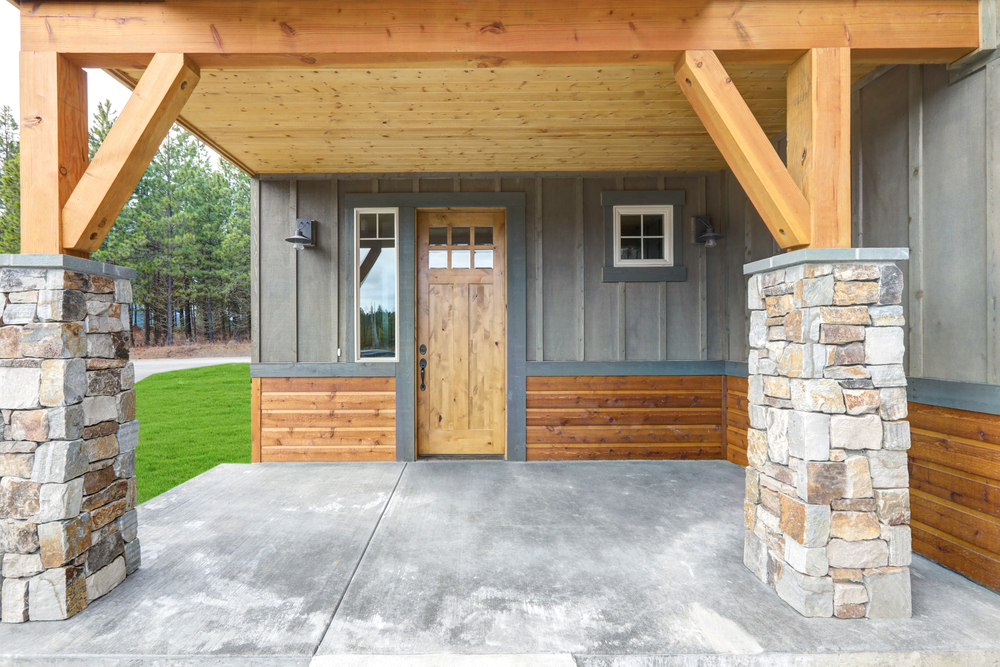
x=328 y=419
x=632 y=417
x=955 y=489
x=737 y=420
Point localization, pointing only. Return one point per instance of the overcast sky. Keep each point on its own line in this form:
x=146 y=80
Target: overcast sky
x=100 y=86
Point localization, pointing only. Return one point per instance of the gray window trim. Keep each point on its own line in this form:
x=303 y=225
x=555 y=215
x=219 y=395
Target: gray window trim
x=643 y=274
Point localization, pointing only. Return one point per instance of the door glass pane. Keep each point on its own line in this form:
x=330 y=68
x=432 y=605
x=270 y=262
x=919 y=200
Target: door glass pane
x=369 y=228
x=631 y=249
x=460 y=236
x=652 y=225
x=653 y=249
x=377 y=299
x=631 y=225
x=484 y=259
x=460 y=259
x=386 y=225
x=438 y=236
x=437 y=259
x=484 y=236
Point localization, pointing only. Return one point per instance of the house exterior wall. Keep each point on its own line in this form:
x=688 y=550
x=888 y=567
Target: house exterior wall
x=301 y=299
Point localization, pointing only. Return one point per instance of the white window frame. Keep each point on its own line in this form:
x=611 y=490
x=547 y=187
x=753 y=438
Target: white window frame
x=668 y=235
x=357 y=284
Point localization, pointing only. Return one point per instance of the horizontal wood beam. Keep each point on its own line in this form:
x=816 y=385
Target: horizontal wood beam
x=128 y=149
x=239 y=33
x=54 y=149
x=819 y=142
x=746 y=148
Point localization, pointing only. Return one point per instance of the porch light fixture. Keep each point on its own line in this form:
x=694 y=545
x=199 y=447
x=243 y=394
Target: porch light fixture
x=303 y=237
x=704 y=232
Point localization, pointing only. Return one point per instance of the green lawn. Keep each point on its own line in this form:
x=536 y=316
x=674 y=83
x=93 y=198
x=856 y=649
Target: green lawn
x=192 y=420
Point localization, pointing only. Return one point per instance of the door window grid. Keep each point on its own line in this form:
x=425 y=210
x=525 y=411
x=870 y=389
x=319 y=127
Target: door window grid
x=460 y=247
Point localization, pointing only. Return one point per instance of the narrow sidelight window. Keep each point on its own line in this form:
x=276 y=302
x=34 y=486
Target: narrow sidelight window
x=644 y=236
x=376 y=277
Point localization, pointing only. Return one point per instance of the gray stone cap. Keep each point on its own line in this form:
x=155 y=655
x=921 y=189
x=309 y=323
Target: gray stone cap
x=825 y=256
x=67 y=262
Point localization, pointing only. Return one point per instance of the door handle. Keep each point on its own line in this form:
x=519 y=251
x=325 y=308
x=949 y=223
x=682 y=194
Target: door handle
x=423 y=367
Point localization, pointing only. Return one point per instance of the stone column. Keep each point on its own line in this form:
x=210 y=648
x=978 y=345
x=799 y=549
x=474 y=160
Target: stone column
x=67 y=453
x=827 y=500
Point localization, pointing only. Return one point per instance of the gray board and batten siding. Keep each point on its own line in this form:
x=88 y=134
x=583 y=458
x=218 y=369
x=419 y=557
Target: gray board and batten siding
x=303 y=299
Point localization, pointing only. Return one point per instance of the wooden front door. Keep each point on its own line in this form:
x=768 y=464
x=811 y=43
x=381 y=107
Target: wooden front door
x=461 y=332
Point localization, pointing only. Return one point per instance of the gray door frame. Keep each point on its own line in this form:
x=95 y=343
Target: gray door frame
x=404 y=369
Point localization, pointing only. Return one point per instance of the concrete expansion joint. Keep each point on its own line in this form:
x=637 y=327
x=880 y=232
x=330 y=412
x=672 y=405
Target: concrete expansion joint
x=364 y=553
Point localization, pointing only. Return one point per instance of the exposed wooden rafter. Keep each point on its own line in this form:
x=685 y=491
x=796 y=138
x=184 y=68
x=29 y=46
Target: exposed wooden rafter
x=127 y=150
x=745 y=147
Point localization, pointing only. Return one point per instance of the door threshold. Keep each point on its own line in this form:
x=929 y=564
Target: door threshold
x=461 y=457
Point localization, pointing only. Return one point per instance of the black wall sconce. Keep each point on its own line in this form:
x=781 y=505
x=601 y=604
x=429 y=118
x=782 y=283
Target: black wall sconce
x=303 y=237
x=704 y=232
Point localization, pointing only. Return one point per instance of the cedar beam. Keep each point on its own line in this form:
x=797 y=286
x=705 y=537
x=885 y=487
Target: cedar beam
x=745 y=147
x=54 y=148
x=819 y=142
x=306 y=33
x=128 y=149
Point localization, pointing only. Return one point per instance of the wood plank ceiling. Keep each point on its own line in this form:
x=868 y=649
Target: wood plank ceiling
x=587 y=118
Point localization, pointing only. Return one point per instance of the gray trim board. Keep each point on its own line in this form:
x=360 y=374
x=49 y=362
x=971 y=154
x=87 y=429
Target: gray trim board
x=643 y=274
x=403 y=370
x=320 y=370
x=67 y=262
x=405 y=383
x=958 y=395
x=622 y=368
x=737 y=369
x=819 y=255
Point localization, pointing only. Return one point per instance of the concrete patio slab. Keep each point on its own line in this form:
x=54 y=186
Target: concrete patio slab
x=605 y=561
x=478 y=564
x=241 y=562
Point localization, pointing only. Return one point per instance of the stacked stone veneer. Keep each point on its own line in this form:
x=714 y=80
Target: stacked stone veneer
x=67 y=457
x=827 y=501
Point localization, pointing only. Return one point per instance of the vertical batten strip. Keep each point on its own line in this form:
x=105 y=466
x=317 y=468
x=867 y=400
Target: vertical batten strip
x=335 y=272
x=857 y=172
x=702 y=276
x=539 y=342
x=993 y=222
x=580 y=279
x=255 y=269
x=915 y=349
x=661 y=352
x=293 y=211
x=622 y=298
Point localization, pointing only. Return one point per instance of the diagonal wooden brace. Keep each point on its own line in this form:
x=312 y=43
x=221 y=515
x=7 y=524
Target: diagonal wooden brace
x=745 y=147
x=128 y=149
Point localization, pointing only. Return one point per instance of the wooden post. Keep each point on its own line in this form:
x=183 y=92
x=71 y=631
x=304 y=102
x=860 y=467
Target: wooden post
x=819 y=141
x=746 y=148
x=54 y=147
x=128 y=149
